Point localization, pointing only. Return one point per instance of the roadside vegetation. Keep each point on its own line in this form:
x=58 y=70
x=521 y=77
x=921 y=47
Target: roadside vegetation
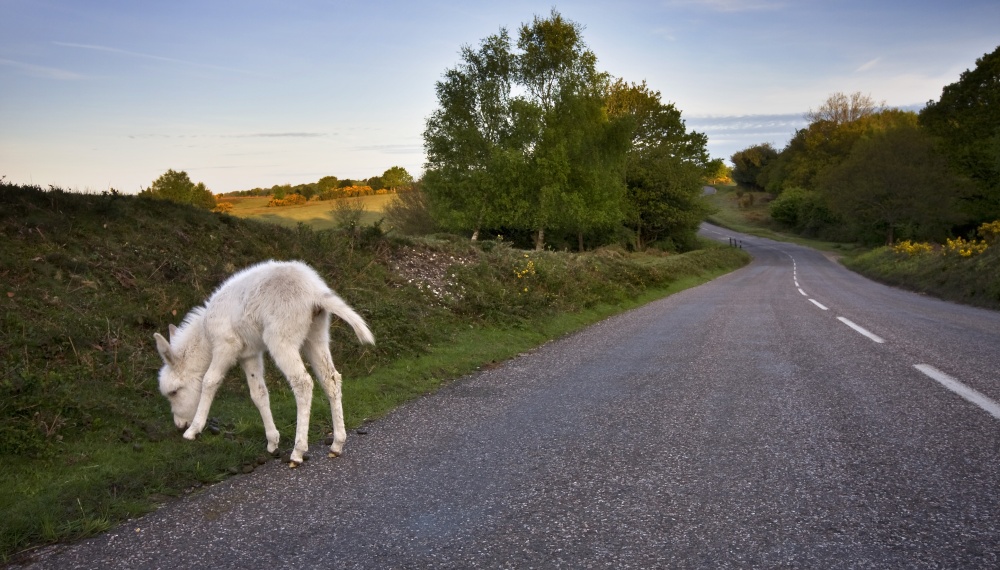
x=87 y=441
x=867 y=175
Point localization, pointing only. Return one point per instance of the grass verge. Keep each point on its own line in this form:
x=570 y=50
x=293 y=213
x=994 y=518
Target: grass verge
x=87 y=441
x=971 y=280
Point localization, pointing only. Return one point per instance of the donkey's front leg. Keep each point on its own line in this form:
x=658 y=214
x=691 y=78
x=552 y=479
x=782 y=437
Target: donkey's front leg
x=254 y=369
x=209 y=386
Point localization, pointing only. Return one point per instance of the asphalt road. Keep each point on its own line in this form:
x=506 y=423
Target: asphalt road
x=740 y=424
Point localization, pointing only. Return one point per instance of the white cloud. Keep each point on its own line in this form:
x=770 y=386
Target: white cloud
x=868 y=65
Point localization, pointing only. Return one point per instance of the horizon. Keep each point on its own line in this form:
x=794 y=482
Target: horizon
x=240 y=95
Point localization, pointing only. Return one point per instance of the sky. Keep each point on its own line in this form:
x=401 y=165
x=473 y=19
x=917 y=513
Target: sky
x=100 y=94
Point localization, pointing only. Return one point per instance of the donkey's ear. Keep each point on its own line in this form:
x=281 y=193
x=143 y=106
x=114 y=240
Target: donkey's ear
x=164 y=348
x=171 y=330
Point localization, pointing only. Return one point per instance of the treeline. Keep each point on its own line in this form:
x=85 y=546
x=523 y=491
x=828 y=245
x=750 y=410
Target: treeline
x=177 y=186
x=863 y=172
x=331 y=188
x=530 y=141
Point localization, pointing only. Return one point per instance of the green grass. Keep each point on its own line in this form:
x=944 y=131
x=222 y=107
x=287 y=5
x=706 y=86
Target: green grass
x=973 y=280
x=87 y=441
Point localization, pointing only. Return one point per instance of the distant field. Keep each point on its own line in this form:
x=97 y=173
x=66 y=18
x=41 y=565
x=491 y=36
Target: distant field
x=318 y=215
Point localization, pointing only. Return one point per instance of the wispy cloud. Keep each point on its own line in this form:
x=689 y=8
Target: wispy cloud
x=153 y=57
x=868 y=65
x=747 y=123
x=42 y=71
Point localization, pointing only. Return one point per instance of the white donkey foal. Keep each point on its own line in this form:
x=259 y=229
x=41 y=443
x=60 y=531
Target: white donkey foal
x=284 y=307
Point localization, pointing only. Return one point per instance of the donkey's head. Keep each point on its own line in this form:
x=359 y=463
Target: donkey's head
x=180 y=382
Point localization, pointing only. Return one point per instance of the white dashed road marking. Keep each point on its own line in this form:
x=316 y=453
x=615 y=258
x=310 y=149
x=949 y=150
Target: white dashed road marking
x=984 y=402
x=861 y=330
x=818 y=304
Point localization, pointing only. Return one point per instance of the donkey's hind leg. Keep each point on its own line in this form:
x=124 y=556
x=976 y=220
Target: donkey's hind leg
x=317 y=350
x=254 y=369
x=287 y=357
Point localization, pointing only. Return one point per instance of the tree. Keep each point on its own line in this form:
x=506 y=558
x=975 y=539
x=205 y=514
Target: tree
x=521 y=140
x=750 y=163
x=558 y=72
x=840 y=108
x=823 y=145
x=665 y=167
x=470 y=140
x=894 y=182
x=396 y=178
x=967 y=121
x=178 y=187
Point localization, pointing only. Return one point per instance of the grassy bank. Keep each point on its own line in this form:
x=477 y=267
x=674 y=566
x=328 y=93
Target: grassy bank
x=973 y=280
x=86 y=440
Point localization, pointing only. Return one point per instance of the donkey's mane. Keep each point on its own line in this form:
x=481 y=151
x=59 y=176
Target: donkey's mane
x=189 y=324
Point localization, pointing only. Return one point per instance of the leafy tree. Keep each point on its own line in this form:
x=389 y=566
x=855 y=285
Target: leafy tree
x=750 y=163
x=894 y=182
x=395 y=178
x=178 y=187
x=558 y=72
x=823 y=145
x=375 y=183
x=472 y=147
x=665 y=167
x=545 y=158
x=967 y=120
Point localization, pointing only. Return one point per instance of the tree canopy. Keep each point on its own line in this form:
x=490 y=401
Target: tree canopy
x=178 y=187
x=894 y=182
x=535 y=139
x=967 y=121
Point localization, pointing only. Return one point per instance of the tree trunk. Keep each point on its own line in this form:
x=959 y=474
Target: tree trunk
x=540 y=239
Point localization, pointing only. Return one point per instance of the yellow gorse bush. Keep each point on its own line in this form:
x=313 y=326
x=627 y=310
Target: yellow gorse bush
x=989 y=232
x=524 y=272
x=964 y=248
x=908 y=247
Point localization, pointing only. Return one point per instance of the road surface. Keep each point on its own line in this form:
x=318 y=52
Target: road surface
x=789 y=414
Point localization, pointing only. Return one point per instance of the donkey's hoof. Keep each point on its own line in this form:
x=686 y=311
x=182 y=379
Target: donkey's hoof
x=333 y=454
x=294 y=464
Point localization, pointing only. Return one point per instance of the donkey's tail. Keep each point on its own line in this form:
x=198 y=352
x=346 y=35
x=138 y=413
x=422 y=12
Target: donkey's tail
x=334 y=304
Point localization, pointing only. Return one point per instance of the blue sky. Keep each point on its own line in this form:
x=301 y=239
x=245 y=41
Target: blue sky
x=240 y=94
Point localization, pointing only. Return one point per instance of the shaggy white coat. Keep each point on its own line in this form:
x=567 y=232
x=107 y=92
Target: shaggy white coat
x=283 y=307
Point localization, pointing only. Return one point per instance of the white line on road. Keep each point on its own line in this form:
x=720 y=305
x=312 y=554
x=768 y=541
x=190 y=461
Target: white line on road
x=962 y=390
x=803 y=292
x=872 y=336
x=818 y=304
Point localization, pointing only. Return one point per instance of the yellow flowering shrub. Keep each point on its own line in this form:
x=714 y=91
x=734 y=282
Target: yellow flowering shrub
x=964 y=248
x=289 y=200
x=990 y=232
x=907 y=247
x=525 y=272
